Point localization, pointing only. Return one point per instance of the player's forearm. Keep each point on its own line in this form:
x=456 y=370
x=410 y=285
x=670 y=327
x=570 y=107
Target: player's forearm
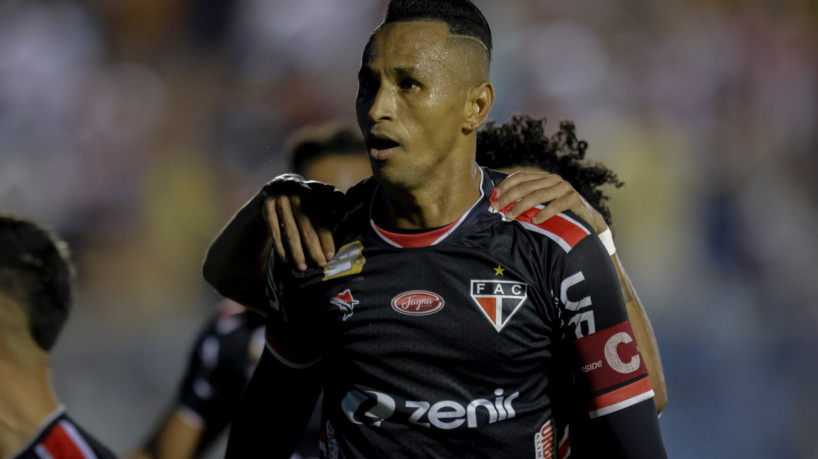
x=256 y=427
x=630 y=433
x=643 y=332
x=236 y=261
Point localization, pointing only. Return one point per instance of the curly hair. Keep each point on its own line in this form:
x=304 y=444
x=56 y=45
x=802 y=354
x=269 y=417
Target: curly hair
x=522 y=142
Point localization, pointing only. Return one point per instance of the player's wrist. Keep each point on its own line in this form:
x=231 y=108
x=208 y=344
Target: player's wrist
x=607 y=240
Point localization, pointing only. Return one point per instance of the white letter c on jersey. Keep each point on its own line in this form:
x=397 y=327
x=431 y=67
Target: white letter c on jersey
x=613 y=357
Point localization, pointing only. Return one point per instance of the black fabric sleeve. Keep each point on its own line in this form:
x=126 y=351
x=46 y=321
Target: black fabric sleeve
x=274 y=410
x=621 y=416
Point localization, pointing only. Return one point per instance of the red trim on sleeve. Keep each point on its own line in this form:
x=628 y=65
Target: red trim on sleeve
x=568 y=230
x=621 y=398
x=610 y=357
x=560 y=226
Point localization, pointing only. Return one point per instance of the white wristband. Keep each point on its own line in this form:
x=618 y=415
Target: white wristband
x=607 y=240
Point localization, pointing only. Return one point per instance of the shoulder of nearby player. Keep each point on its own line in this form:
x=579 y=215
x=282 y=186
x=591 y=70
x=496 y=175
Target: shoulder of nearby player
x=61 y=435
x=565 y=229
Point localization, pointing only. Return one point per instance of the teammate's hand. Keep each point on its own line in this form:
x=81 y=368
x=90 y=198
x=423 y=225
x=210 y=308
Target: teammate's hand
x=531 y=188
x=301 y=215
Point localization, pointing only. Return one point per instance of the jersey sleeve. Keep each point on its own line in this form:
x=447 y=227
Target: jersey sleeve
x=289 y=341
x=595 y=321
x=606 y=362
x=217 y=370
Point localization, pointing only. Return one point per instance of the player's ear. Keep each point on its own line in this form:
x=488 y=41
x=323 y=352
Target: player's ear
x=478 y=106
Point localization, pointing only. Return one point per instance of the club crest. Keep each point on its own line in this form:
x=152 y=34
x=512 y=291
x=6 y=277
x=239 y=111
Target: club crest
x=498 y=299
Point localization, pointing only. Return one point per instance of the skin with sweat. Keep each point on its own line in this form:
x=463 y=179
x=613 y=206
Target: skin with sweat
x=420 y=101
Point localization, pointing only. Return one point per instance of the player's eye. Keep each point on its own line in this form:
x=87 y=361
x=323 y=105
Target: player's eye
x=408 y=83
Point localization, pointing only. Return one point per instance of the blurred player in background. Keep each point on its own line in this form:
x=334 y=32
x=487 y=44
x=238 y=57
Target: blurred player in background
x=228 y=348
x=35 y=300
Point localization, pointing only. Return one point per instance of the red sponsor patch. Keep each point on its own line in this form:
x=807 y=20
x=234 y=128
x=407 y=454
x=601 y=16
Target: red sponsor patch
x=544 y=442
x=610 y=357
x=417 y=303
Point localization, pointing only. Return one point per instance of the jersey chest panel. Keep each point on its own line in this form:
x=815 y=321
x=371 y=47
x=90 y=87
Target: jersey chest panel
x=455 y=337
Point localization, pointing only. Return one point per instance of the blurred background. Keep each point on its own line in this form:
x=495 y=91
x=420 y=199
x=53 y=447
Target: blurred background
x=136 y=128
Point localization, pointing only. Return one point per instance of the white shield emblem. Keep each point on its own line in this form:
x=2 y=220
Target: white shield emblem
x=499 y=299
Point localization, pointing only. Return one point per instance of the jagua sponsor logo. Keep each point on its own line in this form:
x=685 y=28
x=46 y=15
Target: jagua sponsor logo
x=417 y=303
x=373 y=408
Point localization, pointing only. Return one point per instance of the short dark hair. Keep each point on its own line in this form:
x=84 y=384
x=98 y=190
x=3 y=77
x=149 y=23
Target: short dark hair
x=313 y=142
x=523 y=142
x=36 y=272
x=462 y=16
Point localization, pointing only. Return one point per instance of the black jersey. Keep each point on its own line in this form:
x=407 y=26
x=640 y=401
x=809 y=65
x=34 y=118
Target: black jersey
x=464 y=341
x=222 y=360
x=61 y=438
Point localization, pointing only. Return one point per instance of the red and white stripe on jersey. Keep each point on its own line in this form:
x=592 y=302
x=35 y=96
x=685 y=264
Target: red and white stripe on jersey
x=564 y=447
x=611 y=358
x=426 y=238
x=414 y=240
x=561 y=228
x=619 y=399
x=64 y=442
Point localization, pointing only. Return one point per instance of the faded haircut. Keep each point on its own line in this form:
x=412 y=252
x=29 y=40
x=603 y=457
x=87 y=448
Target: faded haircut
x=462 y=17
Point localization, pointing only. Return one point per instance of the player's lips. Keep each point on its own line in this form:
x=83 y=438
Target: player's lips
x=381 y=146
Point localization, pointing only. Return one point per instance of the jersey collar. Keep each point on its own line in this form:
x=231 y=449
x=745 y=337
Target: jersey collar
x=437 y=235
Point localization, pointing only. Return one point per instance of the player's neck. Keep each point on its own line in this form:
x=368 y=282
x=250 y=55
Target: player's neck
x=437 y=203
x=26 y=399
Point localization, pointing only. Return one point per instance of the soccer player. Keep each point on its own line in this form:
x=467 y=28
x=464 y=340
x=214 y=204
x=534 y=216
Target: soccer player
x=443 y=327
x=35 y=300
x=227 y=349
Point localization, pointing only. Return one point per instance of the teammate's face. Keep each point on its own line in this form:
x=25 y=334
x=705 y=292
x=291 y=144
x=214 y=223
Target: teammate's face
x=412 y=95
x=341 y=171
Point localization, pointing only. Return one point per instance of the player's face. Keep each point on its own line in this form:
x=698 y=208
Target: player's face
x=411 y=101
x=339 y=170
